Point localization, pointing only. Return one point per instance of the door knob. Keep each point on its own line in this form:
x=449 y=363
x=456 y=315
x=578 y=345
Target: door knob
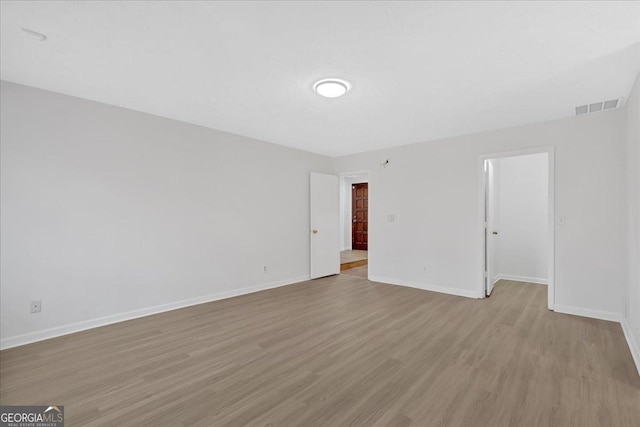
x=495 y=232
x=314 y=231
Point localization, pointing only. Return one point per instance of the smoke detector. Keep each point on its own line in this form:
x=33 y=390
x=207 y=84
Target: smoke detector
x=596 y=107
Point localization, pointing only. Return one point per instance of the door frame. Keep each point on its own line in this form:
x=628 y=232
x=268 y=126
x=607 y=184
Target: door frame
x=549 y=150
x=367 y=173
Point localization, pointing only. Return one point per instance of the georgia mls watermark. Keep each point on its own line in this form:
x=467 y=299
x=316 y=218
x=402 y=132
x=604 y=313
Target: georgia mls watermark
x=32 y=416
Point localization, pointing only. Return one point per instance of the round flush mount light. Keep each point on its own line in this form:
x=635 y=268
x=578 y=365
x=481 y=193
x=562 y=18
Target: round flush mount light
x=331 y=88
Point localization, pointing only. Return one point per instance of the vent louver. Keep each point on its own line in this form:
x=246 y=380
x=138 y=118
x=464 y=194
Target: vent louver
x=598 y=106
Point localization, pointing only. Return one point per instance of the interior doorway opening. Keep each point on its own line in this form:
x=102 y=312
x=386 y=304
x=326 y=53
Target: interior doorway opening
x=517 y=220
x=359 y=216
x=354 y=224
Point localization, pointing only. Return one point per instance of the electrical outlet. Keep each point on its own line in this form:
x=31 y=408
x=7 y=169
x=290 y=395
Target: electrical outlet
x=264 y=268
x=36 y=306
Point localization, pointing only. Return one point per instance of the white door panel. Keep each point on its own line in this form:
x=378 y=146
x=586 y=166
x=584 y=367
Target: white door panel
x=325 y=224
x=492 y=224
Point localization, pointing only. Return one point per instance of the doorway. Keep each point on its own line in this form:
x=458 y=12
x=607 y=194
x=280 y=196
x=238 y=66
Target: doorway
x=354 y=214
x=516 y=216
x=360 y=216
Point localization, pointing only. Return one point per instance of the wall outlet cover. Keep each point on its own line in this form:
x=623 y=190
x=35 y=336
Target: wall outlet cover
x=36 y=306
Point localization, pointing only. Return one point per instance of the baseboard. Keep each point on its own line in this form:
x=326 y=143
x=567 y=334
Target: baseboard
x=58 y=331
x=631 y=341
x=537 y=280
x=426 y=287
x=588 y=312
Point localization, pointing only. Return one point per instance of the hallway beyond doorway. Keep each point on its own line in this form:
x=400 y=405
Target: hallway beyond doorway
x=353 y=258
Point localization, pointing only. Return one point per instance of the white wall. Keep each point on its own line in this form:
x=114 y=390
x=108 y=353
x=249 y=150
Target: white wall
x=107 y=211
x=345 y=208
x=523 y=231
x=631 y=322
x=432 y=188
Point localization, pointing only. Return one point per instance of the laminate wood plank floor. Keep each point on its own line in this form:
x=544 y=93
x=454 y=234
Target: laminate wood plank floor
x=361 y=271
x=334 y=352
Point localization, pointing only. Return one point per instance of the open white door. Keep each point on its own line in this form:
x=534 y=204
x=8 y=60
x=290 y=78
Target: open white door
x=325 y=225
x=491 y=232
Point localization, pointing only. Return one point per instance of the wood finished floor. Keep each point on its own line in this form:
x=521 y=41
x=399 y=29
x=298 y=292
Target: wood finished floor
x=338 y=351
x=361 y=271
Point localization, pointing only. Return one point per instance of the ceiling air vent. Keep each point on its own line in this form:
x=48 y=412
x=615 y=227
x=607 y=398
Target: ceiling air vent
x=598 y=106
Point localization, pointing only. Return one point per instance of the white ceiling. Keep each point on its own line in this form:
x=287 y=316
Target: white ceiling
x=419 y=70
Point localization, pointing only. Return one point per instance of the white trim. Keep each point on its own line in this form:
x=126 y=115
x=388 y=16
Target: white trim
x=549 y=150
x=633 y=345
x=588 y=312
x=426 y=287
x=537 y=280
x=58 y=331
x=551 y=259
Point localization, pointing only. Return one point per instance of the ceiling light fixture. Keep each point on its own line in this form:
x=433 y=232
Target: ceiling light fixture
x=331 y=88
